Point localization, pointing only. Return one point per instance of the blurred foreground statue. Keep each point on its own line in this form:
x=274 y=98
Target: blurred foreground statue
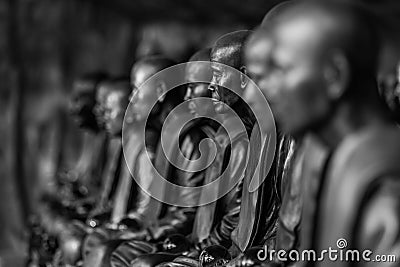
x=324 y=66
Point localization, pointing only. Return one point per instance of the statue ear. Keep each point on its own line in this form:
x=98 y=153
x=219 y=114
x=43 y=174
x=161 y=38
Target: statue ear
x=161 y=91
x=337 y=75
x=243 y=78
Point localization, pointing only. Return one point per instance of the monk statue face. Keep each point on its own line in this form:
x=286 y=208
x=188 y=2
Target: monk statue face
x=99 y=108
x=199 y=107
x=195 y=89
x=114 y=111
x=82 y=104
x=222 y=79
x=296 y=89
x=228 y=70
x=257 y=56
x=142 y=100
x=389 y=86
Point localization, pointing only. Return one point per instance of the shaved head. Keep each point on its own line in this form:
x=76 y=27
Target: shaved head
x=83 y=100
x=142 y=101
x=257 y=53
x=201 y=55
x=116 y=103
x=120 y=84
x=339 y=26
x=197 y=71
x=147 y=67
x=324 y=58
x=228 y=49
x=158 y=62
x=259 y=45
x=275 y=12
x=194 y=73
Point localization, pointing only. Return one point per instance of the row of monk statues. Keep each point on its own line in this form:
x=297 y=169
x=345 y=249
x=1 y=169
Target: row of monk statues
x=334 y=174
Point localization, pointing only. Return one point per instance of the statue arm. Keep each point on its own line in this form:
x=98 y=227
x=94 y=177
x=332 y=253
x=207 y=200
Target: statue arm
x=180 y=219
x=221 y=235
x=143 y=212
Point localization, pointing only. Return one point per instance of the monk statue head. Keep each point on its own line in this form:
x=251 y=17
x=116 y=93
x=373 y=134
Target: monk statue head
x=115 y=106
x=142 y=100
x=323 y=64
x=197 y=89
x=228 y=51
x=101 y=94
x=389 y=87
x=83 y=100
x=257 y=54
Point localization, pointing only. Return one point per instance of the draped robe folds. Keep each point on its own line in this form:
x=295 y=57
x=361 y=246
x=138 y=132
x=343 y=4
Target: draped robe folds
x=129 y=197
x=176 y=219
x=63 y=204
x=126 y=191
x=215 y=222
x=259 y=209
x=71 y=237
x=301 y=174
x=109 y=177
x=356 y=202
x=180 y=219
x=90 y=165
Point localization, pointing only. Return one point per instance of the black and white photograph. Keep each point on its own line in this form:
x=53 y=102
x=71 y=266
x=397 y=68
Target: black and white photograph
x=150 y=133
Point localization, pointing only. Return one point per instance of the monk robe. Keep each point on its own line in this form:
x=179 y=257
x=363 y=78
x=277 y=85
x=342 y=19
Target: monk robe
x=314 y=159
x=259 y=209
x=175 y=219
x=89 y=169
x=72 y=236
x=110 y=181
x=215 y=222
x=76 y=197
x=359 y=199
x=127 y=193
x=302 y=168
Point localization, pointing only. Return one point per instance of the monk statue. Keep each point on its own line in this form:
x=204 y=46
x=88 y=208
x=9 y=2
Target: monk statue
x=323 y=71
x=89 y=169
x=79 y=188
x=73 y=232
x=77 y=184
x=131 y=207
